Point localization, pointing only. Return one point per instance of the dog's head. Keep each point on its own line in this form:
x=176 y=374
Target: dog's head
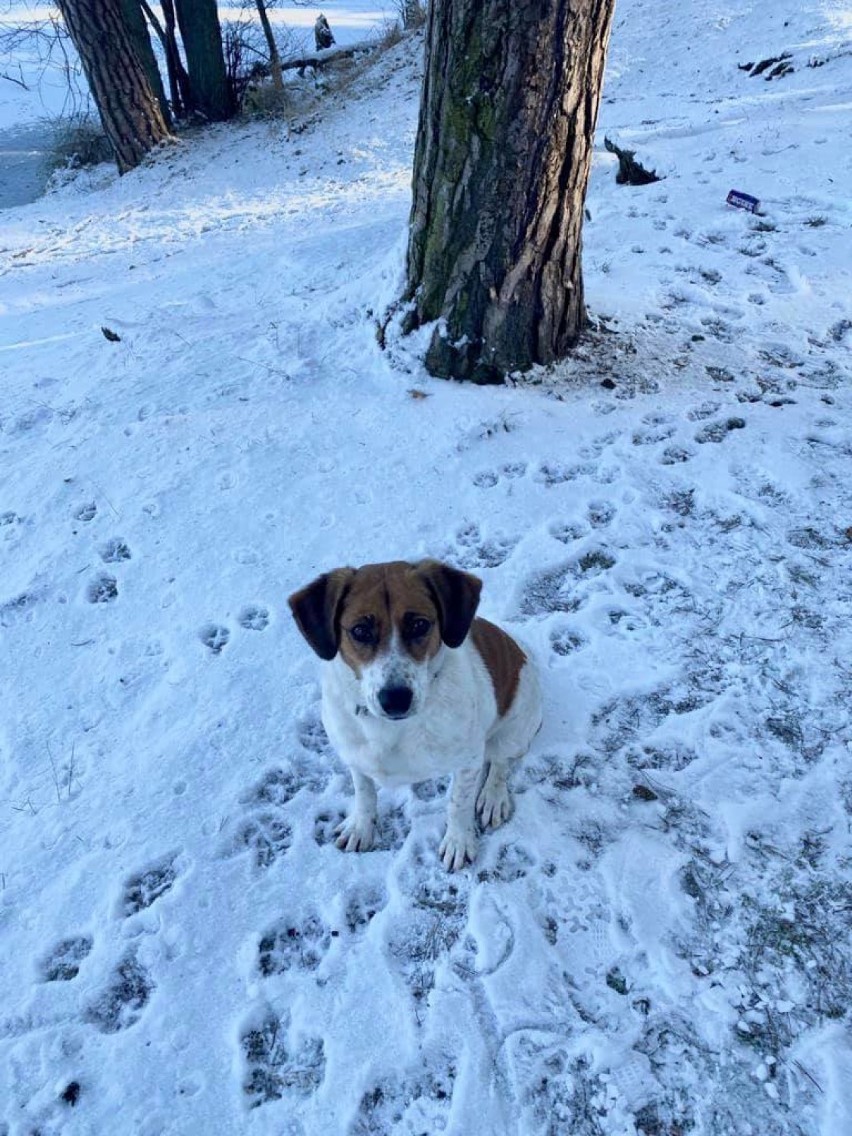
x=389 y=623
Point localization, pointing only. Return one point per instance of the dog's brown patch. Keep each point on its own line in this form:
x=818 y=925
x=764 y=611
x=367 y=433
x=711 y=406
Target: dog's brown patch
x=387 y=598
x=503 y=658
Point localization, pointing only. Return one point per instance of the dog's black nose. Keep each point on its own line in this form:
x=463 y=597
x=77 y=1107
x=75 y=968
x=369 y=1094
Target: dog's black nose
x=395 y=700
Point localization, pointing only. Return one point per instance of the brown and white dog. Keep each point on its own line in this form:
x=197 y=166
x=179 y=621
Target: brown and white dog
x=415 y=687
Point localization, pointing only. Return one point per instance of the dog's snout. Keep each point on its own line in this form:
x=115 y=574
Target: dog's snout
x=395 y=701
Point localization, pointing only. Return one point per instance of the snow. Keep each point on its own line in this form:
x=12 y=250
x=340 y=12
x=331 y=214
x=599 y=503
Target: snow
x=658 y=940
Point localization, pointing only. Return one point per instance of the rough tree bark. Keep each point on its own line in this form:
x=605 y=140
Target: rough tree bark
x=137 y=27
x=198 y=21
x=507 y=117
x=130 y=112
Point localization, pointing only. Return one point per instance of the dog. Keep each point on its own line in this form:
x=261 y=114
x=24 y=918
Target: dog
x=416 y=686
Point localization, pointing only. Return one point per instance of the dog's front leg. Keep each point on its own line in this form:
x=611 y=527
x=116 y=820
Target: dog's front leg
x=358 y=831
x=459 y=844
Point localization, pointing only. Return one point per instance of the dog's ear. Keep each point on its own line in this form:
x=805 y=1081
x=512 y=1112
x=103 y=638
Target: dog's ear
x=456 y=595
x=316 y=610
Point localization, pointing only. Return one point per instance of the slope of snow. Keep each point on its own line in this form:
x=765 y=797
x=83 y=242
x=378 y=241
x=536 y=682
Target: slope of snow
x=658 y=941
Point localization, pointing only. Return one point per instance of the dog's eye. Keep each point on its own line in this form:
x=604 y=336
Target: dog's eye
x=418 y=627
x=363 y=633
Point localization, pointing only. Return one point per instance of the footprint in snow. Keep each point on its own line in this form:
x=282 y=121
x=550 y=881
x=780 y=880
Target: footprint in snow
x=472 y=551
x=147 y=886
x=600 y=514
x=564 y=641
x=675 y=455
x=86 y=512
x=121 y=1003
x=214 y=636
x=255 y=617
x=566 y=532
x=63 y=962
x=114 y=551
x=274 y=1068
x=266 y=835
x=294 y=945
x=362 y=906
x=418 y=1102
x=103 y=589
x=488 y=478
x=718 y=431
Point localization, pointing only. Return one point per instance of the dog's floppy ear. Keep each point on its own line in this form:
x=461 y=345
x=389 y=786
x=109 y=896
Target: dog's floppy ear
x=456 y=595
x=316 y=609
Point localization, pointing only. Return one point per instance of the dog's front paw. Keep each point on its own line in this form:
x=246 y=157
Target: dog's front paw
x=457 y=848
x=356 y=833
x=494 y=803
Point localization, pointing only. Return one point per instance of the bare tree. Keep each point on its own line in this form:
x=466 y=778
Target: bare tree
x=507 y=118
x=271 y=44
x=130 y=112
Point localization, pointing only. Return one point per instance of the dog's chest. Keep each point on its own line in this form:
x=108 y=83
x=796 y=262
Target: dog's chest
x=407 y=752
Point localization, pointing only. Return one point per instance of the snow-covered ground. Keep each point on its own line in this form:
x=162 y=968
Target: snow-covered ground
x=658 y=942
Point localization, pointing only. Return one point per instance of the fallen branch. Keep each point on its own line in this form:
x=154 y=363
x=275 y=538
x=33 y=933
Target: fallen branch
x=328 y=55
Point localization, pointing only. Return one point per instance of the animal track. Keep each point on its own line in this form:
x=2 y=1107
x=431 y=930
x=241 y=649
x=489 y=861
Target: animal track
x=554 y=473
x=114 y=551
x=214 y=636
x=103 y=589
x=428 y=931
x=123 y=1001
x=567 y=532
x=312 y=736
x=146 y=887
x=86 y=512
x=566 y=642
x=550 y=591
x=277 y=787
x=326 y=825
x=417 y=1104
x=273 y=1069
x=474 y=552
x=290 y=946
x=488 y=478
x=513 y=863
x=267 y=837
x=63 y=962
x=718 y=431
x=600 y=514
x=674 y=455
x=655 y=428
x=362 y=906
x=254 y=618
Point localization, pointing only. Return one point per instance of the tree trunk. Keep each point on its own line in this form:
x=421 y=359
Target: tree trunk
x=134 y=18
x=198 y=21
x=507 y=118
x=167 y=35
x=274 y=56
x=130 y=113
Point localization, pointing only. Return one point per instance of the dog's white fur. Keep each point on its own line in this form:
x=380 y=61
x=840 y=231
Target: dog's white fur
x=454 y=727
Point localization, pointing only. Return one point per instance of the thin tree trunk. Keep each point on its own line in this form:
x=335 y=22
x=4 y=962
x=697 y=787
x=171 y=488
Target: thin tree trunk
x=507 y=119
x=274 y=55
x=135 y=19
x=167 y=35
x=130 y=112
x=198 y=21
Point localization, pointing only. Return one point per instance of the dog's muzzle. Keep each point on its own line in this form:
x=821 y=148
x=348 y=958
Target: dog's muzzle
x=396 y=701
